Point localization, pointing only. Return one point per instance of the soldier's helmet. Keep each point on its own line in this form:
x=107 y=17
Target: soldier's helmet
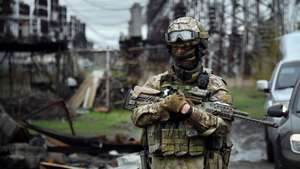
x=186 y=30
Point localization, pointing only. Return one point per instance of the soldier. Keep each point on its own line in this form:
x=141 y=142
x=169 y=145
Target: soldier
x=177 y=132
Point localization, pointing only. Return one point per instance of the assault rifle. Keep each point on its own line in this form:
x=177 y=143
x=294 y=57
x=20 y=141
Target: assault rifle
x=143 y=95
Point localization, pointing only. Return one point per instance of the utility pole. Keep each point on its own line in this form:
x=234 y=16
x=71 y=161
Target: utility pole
x=107 y=84
x=10 y=69
x=58 y=69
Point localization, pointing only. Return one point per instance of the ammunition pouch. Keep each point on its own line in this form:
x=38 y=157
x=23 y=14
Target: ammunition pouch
x=153 y=138
x=181 y=141
x=196 y=146
x=169 y=140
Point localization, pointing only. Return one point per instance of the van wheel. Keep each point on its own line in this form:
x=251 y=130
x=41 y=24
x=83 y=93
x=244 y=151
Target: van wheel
x=269 y=151
x=277 y=158
x=269 y=147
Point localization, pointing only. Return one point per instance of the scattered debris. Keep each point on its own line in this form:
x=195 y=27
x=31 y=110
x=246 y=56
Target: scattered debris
x=10 y=131
x=46 y=165
x=130 y=161
x=48 y=149
x=21 y=155
x=101 y=109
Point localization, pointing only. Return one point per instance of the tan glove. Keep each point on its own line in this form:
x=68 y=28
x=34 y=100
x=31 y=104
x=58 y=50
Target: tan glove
x=174 y=102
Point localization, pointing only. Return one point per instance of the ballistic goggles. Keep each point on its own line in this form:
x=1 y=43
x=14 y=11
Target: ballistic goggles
x=184 y=36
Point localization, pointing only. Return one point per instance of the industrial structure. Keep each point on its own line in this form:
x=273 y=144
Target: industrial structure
x=45 y=21
x=35 y=44
x=240 y=30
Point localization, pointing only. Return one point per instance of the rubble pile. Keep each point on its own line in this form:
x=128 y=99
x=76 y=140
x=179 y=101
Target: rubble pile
x=20 y=148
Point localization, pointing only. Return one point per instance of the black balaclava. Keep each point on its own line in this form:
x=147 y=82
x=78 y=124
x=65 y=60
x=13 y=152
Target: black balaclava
x=189 y=66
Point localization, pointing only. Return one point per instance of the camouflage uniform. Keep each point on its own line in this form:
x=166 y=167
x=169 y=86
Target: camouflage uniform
x=195 y=140
x=185 y=144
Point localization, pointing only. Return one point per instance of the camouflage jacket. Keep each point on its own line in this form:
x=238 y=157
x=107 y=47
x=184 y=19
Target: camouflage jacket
x=173 y=141
x=203 y=121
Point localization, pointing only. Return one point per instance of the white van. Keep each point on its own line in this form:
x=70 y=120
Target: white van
x=278 y=90
x=290 y=45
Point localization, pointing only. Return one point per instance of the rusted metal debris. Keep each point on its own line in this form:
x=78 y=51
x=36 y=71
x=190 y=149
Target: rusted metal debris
x=20 y=149
x=10 y=131
x=56 y=103
x=90 y=145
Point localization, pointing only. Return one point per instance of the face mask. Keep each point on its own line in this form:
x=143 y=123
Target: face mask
x=186 y=59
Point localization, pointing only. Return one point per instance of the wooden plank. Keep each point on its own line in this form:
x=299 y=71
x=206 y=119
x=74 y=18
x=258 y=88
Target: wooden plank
x=93 y=92
x=48 y=165
x=77 y=99
x=86 y=97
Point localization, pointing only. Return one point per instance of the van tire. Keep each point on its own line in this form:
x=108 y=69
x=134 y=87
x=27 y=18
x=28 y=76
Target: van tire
x=269 y=147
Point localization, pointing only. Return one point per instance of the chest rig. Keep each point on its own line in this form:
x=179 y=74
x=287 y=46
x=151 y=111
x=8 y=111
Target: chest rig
x=196 y=89
x=176 y=137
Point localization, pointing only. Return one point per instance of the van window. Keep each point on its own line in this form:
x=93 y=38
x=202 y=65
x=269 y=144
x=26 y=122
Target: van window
x=288 y=75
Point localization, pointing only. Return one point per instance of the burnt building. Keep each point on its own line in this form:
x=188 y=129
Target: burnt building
x=41 y=22
x=6 y=10
x=54 y=30
x=63 y=25
x=14 y=19
x=24 y=21
x=38 y=25
x=6 y=7
x=76 y=33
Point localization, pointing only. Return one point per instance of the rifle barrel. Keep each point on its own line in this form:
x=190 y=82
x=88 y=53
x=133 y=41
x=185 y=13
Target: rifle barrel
x=242 y=113
x=264 y=122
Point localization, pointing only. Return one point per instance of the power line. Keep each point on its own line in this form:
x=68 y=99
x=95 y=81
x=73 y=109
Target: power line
x=91 y=27
x=112 y=24
x=105 y=8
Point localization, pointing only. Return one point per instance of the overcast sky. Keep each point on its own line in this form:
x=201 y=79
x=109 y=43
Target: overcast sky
x=105 y=19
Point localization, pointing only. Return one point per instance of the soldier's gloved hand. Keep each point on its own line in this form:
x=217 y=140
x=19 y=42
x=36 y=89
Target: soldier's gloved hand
x=174 y=102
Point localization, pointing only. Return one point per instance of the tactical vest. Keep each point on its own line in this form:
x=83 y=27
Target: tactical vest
x=177 y=137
